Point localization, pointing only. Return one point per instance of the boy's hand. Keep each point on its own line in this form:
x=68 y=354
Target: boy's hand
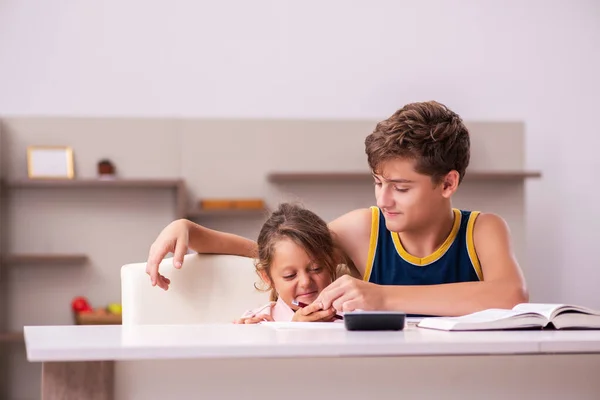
x=349 y=294
x=314 y=312
x=174 y=239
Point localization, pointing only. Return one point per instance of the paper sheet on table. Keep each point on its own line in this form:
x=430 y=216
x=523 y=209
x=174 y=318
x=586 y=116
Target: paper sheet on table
x=304 y=325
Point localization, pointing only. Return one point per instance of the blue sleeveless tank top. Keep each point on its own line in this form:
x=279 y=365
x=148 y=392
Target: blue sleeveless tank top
x=388 y=263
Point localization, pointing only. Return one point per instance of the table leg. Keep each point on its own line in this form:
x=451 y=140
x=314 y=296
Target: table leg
x=4 y=368
x=90 y=380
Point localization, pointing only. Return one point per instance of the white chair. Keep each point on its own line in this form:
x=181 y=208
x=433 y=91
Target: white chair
x=207 y=289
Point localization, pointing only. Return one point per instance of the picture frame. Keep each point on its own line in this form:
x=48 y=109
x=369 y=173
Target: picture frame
x=50 y=162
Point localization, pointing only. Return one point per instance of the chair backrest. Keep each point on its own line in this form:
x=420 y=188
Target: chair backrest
x=207 y=289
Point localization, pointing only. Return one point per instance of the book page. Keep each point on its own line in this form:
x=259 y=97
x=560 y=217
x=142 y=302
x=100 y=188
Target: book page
x=550 y=311
x=547 y=310
x=480 y=319
x=493 y=318
x=493 y=314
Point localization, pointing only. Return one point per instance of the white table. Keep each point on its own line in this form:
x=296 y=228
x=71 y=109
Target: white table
x=254 y=361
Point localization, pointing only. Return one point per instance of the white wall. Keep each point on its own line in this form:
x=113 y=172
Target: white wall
x=536 y=61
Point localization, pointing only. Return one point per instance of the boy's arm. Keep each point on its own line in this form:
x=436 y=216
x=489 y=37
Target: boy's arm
x=352 y=232
x=208 y=241
x=503 y=285
x=181 y=235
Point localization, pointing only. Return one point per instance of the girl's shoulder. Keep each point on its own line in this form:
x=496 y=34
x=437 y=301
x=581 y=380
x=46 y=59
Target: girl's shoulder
x=278 y=310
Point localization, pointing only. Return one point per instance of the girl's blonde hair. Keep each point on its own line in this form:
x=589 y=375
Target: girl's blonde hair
x=307 y=230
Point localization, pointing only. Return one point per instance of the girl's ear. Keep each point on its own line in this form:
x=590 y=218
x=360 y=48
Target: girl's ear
x=265 y=277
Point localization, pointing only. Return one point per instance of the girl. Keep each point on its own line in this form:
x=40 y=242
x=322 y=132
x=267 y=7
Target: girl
x=297 y=259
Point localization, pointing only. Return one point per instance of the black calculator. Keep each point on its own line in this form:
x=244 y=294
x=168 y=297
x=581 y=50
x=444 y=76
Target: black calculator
x=374 y=320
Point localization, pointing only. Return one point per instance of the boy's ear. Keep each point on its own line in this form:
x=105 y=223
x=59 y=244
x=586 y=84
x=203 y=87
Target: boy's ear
x=450 y=183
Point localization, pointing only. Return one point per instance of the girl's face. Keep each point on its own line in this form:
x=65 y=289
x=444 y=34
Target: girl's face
x=294 y=275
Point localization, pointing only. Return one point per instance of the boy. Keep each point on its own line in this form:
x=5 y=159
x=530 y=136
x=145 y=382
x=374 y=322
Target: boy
x=414 y=251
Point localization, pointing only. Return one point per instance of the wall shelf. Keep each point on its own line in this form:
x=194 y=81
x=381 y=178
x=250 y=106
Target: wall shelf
x=47 y=259
x=96 y=318
x=234 y=212
x=93 y=183
x=282 y=177
x=178 y=185
x=11 y=337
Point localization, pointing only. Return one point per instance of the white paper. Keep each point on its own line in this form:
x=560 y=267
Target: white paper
x=303 y=325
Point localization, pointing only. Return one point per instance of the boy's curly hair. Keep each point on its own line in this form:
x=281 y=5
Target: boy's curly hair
x=428 y=133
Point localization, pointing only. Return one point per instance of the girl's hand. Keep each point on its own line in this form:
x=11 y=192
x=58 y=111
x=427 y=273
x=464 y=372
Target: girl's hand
x=256 y=319
x=314 y=313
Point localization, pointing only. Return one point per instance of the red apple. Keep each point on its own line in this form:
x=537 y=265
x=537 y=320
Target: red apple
x=80 y=304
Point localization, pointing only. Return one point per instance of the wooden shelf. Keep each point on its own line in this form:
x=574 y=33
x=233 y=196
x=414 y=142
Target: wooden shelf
x=228 y=213
x=95 y=318
x=281 y=177
x=52 y=259
x=11 y=337
x=178 y=185
x=502 y=175
x=94 y=183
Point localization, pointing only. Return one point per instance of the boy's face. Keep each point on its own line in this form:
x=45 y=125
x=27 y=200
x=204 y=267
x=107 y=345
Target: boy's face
x=409 y=200
x=294 y=275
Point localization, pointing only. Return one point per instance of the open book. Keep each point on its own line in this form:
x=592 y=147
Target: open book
x=522 y=316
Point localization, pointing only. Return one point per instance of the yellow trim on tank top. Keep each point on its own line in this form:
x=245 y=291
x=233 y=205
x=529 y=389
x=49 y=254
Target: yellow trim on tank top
x=372 y=243
x=436 y=255
x=471 y=245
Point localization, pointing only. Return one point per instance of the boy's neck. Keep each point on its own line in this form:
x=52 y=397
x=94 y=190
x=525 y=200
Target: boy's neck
x=426 y=240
